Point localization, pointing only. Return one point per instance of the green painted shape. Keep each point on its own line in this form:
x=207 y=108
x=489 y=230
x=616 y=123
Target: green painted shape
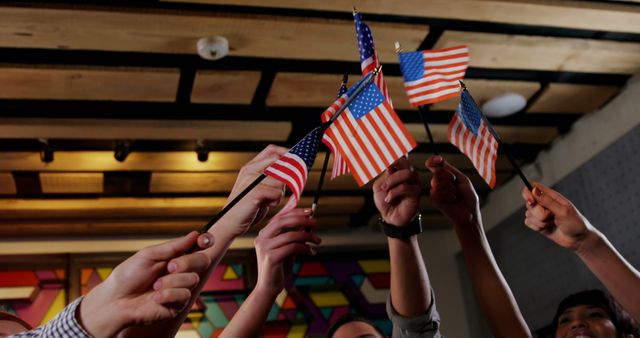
x=357 y=279
x=296 y=268
x=326 y=312
x=238 y=269
x=302 y=281
x=205 y=329
x=273 y=313
x=215 y=314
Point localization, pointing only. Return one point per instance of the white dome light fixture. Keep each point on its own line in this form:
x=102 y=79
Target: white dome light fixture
x=504 y=105
x=213 y=47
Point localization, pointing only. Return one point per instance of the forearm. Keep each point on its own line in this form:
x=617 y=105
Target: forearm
x=410 y=287
x=492 y=291
x=251 y=316
x=620 y=278
x=169 y=327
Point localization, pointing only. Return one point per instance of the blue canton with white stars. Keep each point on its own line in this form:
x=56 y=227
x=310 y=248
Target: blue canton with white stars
x=411 y=65
x=343 y=89
x=368 y=99
x=469 y=112
x=307 y=148
x=365 y=39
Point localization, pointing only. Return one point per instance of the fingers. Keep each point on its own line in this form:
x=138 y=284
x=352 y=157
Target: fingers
x=293 y=237
x=170 y=249
x=196 y=262
x=528 y=197
x=185 y=280
x=399 y=192
x=551 y=200
x=289 y=250
x=434 y=162
x=267 y=156
x=176 y=298
x=293 y=219
x=205 y=240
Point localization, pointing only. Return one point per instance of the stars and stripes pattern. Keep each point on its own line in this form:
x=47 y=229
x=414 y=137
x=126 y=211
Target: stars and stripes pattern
x=293 y=167
x=469 y=133
x=433 y=75
x=368 y=56
x=368 y=134
x=340 y=167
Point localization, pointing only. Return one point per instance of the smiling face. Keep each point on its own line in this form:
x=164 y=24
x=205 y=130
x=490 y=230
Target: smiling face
x=585 y=321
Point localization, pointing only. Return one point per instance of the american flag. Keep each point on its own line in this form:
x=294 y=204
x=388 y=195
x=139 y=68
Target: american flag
x=368 y=56
x=432 y=75
x=292 y=168
x=368 y=134
x=339 y=165
x=469 y=132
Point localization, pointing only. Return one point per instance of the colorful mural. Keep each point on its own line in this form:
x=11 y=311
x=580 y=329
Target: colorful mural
x=316 y=293
x=35 y=296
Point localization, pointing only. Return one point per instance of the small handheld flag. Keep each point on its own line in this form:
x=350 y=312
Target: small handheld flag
x=368 y=57
x=432 y=75
x=369 y=135
x=293 y=167
x=469 y=132
x=339 y=165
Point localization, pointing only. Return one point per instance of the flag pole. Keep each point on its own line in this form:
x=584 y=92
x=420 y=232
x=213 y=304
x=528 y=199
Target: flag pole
x=262 y=176
x=325 y=164
x=500 y=143
x=423 y=114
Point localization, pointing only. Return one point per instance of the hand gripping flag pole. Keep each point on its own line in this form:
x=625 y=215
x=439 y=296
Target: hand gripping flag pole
x=325 y=164
x=500 y=143
x=423 y=115
x=367 y=79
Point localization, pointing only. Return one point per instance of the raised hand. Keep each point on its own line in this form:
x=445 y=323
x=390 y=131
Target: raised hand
x=286 y=235
x=139 y=290
x=397 y=193
x=555 y=217
x=452 y=192
x=255 y=205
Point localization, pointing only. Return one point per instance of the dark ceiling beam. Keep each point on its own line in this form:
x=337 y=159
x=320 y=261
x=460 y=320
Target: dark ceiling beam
x=449 y=24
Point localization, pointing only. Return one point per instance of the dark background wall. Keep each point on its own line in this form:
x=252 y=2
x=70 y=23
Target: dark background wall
x=606 y=189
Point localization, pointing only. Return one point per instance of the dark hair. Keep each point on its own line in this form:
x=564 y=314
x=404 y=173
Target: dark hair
x=348 y=318
x=624 y=324
x=9 y=317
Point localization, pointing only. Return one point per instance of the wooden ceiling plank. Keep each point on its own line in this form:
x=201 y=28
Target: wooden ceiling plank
x=607 y=17
x=111 y=129
x=89 y=84
x=225 y=87
x=484 y=90
x=251 y=36
x=68 y=183
x=509 y=134
x=572 y=98
x=7 y=184
x=545 y=53
x=126 y=207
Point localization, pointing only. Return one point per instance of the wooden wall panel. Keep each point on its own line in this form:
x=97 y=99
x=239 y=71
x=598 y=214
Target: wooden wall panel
x=57 y=183
x=546 y=53
x=98 y=129
x=567 y=14
x=571 y=98
x=484 y=90
x=111 y=84
x=252 y=36
x=7 y=184
x=231 y=87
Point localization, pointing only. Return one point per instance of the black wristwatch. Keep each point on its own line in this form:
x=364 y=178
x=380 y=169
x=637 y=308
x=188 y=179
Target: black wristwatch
x=413 y=228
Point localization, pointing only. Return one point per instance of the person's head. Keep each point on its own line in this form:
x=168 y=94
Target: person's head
x=594 y=314
x=10 y=325
x=350 y=326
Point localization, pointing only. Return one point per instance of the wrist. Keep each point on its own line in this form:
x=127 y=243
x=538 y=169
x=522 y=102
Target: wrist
x=98 y=313
x=267 y=290
x=590 y=243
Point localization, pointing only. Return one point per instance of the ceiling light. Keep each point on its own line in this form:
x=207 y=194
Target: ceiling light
x=123 y=149
x=213 y=47
x=504 y=105
x=46 y=152
x=203 y=153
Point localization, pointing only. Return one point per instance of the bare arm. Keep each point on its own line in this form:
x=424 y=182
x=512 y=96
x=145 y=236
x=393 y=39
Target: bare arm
x=453 y=193
x=555 y=217
x=397 y=197
x=277 y=244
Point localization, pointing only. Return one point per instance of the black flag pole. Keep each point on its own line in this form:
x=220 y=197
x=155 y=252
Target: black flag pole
x=423 y=114
x=495 y=134
x=325 y=164
x=367 y=79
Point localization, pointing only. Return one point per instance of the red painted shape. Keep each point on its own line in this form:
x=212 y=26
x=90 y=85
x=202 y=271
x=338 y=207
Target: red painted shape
x=380 y=280
x=312 y=269
x=18 y=278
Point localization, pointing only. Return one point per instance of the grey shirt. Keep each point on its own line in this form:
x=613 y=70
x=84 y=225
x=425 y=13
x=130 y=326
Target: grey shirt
x=424 y=326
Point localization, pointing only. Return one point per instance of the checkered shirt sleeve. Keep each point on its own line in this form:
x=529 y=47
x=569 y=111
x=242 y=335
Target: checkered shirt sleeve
x=64 y=325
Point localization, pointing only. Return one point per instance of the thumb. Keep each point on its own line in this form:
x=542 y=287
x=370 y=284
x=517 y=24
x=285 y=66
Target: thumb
x=546 y=198
x=433 y=163
x=171 y=249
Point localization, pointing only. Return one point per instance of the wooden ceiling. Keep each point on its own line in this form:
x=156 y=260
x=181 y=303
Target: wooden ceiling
x=85 y=77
